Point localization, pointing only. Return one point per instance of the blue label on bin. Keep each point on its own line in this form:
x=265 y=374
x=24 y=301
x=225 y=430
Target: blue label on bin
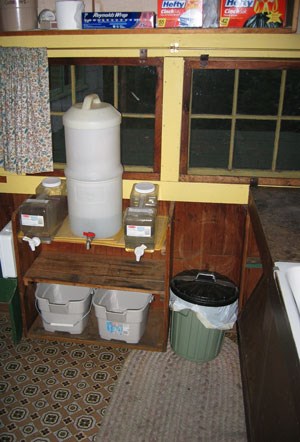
x=114 y=327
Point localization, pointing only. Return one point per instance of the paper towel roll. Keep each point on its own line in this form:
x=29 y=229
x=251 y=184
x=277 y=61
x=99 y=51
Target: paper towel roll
x=68 y=14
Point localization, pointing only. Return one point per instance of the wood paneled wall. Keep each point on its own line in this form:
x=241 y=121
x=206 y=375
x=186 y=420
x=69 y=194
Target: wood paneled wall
x=8 y=203
x=209 y=237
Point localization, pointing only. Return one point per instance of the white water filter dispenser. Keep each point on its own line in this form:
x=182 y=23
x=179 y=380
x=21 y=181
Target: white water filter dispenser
x=93 y=167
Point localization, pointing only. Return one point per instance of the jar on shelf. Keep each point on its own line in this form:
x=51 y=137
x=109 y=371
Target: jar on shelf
x=144 y=194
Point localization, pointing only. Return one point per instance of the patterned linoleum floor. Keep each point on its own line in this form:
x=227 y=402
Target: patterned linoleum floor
x=54 y=391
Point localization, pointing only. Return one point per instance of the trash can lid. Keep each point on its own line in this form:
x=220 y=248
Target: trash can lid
x=205 y=288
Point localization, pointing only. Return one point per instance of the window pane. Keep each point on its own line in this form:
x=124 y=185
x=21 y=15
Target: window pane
x=258 y=92
x=137 y=142
x=253 y=144
x=137 y=85
x=289 y=146
x=94 y=80
x=209 y=144
x=212 y=91
x=215 y=131
x=291 y=105
x=131 y=89
x=56 y=78
x=60 y=88
x=58 y=139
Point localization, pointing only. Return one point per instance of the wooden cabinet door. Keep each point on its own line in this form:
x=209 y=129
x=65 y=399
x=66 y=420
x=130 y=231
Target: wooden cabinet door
x=251 y=329
x=269 y=364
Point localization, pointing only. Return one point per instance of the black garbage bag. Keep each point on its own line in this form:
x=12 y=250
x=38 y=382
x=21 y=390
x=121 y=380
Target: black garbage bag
x=261 y=20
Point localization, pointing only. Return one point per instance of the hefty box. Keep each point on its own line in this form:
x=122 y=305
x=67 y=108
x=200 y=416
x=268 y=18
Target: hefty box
x=117 y=20
x=179 y=14
x=252 y=13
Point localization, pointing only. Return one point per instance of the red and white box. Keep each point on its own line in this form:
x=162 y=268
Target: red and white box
x=179 y=14
x=252 y=13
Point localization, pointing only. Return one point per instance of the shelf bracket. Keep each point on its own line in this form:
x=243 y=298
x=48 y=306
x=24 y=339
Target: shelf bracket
x=174 y=47
x=204 y=60
x=143 y=54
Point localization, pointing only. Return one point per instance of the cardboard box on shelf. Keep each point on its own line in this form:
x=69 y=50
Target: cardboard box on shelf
x=252 y=13
x=117 y=20
x=179 y=14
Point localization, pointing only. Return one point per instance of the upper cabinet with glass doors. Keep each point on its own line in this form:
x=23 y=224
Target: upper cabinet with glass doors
x=132 y=86
x=241 y=120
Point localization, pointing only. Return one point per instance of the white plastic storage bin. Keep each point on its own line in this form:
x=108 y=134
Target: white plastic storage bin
x=64 y=307
x=7 y=252
x=121 y=314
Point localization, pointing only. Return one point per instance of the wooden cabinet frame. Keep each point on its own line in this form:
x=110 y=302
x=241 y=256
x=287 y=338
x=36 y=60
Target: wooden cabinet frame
x=100 y=267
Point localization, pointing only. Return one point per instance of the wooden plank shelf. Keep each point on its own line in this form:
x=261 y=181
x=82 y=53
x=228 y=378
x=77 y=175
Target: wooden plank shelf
x=97 y=271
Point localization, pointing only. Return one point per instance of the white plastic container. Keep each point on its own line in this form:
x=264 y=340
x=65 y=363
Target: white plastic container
x=144 y=194
x=95 y=206
x=42 y=217
x=121 y=315
x=64 y=307
x=7 y=252
x=139 y=227
x=92 y=136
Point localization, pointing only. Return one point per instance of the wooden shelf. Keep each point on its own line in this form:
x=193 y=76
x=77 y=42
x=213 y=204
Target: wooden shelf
x=97 y=271
x=65 y=234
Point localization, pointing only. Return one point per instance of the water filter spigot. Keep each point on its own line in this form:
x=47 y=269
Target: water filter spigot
x=33 y=242
x=139 y=251
x=89 y=238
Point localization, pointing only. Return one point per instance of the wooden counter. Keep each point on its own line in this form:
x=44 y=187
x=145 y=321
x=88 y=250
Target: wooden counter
x=278 y=210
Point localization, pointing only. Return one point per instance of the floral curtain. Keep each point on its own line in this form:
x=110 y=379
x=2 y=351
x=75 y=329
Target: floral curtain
x=25 y=125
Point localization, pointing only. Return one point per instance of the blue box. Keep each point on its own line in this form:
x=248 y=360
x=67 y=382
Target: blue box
x=118 y=20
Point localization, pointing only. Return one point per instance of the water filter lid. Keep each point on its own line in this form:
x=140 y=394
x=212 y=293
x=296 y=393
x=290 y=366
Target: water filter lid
x=91 y=114
x=51 y=182
x=144 y=187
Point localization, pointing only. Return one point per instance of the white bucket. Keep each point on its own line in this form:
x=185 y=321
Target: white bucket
x=95 y=206
x=92 y=136
x=63 y=299
x=121 y=314
x=63 y=307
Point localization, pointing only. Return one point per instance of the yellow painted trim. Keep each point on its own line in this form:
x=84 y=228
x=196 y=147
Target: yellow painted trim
x=197 y=192
x=169 y=191
x=171 y=132
x=19 y=183
x=221 y=43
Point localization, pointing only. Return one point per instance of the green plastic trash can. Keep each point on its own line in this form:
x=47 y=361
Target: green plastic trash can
x=189 y=337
